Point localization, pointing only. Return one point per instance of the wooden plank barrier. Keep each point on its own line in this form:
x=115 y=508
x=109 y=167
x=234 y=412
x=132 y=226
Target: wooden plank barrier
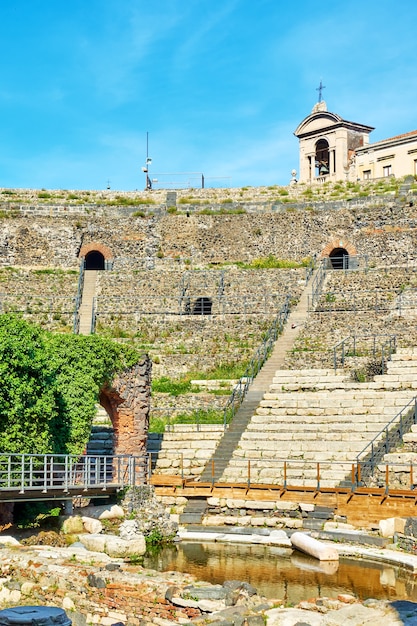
x=362 y=506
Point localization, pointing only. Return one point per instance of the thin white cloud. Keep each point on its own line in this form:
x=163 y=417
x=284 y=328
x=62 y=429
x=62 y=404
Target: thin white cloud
x=201 y=33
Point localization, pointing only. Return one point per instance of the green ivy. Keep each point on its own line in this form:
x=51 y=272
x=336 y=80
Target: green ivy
x=50 y=386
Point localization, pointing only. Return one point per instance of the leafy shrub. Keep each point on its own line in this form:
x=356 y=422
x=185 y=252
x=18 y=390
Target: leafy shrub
x=50 y=385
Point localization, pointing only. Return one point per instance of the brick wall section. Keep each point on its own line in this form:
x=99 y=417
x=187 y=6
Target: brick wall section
x=127 y=401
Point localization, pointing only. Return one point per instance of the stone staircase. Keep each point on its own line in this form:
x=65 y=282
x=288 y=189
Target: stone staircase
x=87 y=300
x=322 y=416
x=216 y=466
x=224 y=451
x=101 y=441
x=260 y=384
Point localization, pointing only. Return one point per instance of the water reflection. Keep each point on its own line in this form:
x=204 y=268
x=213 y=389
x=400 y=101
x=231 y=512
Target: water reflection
x=281 y=574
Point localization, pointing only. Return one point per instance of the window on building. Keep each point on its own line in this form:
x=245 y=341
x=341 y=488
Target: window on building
x=387 y=170
x=366 y=174
x=415 y=167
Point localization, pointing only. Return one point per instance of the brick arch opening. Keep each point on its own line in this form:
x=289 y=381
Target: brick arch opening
x=338 y=251
x=97 y=256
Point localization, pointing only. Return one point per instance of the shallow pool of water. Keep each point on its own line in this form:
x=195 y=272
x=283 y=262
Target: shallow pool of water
x=279 y=574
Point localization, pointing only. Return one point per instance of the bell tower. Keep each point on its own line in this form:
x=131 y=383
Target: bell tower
x=328 y=144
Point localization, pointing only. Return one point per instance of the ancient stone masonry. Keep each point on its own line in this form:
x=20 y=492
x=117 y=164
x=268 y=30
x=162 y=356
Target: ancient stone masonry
x=127 y=402
x=140 y=243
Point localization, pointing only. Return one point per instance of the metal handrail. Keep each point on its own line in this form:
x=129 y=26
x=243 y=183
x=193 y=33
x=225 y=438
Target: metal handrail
x=93 y=316
x=255 y=364
x=374 y=451
x=348 y=345
x=317 y=284
x=76 y=323
x=311 y=267
x=42 y=473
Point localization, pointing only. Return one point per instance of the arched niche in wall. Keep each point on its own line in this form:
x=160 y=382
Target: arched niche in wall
x=202 y=306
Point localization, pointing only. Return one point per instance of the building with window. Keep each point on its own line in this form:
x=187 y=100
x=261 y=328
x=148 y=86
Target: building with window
x=332 y=149
x=396 y=156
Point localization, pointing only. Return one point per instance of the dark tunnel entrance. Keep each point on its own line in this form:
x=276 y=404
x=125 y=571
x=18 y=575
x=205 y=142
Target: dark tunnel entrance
x=339 y=258
x=94 y=260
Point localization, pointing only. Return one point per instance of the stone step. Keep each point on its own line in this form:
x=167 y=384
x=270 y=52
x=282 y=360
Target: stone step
x=101 y=435
x=401 y=367
x=310 y=372
x=313 y=524
x=317 y=416
x=404 y=354
x=333 y=400
x=339 y=449
x=194 y=511
x=310 y=379
x=410 y=437
x=97 y=444
x=311 y=428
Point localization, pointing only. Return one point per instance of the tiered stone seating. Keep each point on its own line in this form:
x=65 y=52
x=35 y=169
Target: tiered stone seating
x=45 y=296
x=232 y=291
x=184 y=450
x=150 y=308
x=313 y=416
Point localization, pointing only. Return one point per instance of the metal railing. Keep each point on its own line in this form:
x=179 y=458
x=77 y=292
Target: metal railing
x=364 y=345
x=317 y=285
x=311 y=267
x=387 y=439
x=347 y=262
x=76 y=323
x=45 y=473
x=255 y=364
x=93 y=315
x=295 y=474
x=194 y=305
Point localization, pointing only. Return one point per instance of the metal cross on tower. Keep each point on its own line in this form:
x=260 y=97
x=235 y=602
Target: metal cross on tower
x=320 y=90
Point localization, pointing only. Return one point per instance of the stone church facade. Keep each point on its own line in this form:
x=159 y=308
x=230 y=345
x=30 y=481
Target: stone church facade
x=333 y=149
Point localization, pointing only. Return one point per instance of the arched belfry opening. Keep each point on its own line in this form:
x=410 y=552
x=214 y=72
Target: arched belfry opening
x=339 y=259
x=322 y=158
x=94 y=260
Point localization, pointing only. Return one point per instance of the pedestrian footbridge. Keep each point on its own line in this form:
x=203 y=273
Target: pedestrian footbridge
x=50 y=476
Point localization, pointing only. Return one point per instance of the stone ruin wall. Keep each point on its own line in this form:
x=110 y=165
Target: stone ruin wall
x=127 y=402
x=202 y=239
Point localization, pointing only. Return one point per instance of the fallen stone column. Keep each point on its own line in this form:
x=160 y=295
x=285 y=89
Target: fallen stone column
x=314 y=548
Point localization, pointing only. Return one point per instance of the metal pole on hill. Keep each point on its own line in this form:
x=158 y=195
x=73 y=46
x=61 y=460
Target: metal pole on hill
x=145 y=169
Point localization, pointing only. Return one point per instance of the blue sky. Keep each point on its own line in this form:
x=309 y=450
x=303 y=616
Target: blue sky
x=219 y=86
